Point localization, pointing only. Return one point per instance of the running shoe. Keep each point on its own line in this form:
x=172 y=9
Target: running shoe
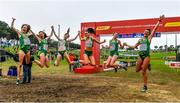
x=17 y=81
x=144 y=89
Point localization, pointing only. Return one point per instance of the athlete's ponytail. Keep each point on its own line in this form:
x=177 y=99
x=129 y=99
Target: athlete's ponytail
x=91 y=30
x=45 y=35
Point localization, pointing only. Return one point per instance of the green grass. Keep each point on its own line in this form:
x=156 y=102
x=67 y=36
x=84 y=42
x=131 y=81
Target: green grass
x=160 y=74
x=160 y=55
x=63 y=68
x=10 y=49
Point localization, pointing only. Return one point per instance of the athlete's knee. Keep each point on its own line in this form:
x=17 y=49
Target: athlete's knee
x=138 y=69
x=58 y=57
x=47 y=66
x=20 y=65
x=86 y=62
x=41 y=65
x=143 y=67
x=138 y=62
x=93 y=64
x=71 y=62
x=107 y=64
x=111 y=64
x=144 y=72
x=56 y=63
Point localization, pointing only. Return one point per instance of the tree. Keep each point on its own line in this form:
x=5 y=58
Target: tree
x=171 y=48
x=6 y=31
x=165 y=47
x=156 y=47
x=33 y=40
x=129 y=49
x=160 y=47
x=53 y=43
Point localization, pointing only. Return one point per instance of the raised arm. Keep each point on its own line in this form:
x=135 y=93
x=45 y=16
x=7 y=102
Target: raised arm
x=68 y=30
x=29 y=34
x=155 y=28
x=81 y=38
x=74 y=38
x=134 y=47
x=55 y=33
x=13 y=28
x=36 y=37
x=97 y=41
x=52 y=28
x=121 y=45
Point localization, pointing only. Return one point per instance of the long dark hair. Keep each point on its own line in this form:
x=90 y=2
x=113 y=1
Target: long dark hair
x=28 y=27
x=91 y=30
x=45 y=35
x=149 y=30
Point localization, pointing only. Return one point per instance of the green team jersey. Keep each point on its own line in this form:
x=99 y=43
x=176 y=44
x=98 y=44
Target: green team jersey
x=89 y=42
x=62 y=45
x=43 y=45
x=113 y=45
x=144 y=47
x=24 y=43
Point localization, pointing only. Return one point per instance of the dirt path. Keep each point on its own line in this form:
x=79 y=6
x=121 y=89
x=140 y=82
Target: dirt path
x=84 y=88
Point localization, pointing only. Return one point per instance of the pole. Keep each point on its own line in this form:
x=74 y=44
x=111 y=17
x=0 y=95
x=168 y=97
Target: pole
x=175 y=40
x=58 y=33
x=68 y=45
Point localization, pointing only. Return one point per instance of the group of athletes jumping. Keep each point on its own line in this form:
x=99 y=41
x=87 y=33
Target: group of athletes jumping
x=114 y=44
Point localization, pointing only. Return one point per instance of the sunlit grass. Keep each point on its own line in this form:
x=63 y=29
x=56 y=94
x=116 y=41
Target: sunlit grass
x=160 y=73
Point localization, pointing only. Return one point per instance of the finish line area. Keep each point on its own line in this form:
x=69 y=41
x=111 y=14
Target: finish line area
x=129 y=29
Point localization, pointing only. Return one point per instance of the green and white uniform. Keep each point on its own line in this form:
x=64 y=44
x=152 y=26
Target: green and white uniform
x=89 y=44
x=24 y=43
x=113 y=47
x=43 y=46
x=144 y=48
x=62 y=48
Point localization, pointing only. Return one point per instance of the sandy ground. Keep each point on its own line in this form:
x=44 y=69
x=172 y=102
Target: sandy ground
x=89 y=88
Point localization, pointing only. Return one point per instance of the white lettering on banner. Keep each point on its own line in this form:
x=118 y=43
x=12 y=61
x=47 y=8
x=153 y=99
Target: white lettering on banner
x=135 y=26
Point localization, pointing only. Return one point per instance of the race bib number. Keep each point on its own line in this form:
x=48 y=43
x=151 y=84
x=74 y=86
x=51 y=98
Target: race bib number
x=112 y=47
x=62 y=46
x=45 y=47
x=62 y=49
x=27 y=41
x=143 y=47
x=88 y=43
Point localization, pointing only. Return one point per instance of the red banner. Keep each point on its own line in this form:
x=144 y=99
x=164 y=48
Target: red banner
x=169 y=24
